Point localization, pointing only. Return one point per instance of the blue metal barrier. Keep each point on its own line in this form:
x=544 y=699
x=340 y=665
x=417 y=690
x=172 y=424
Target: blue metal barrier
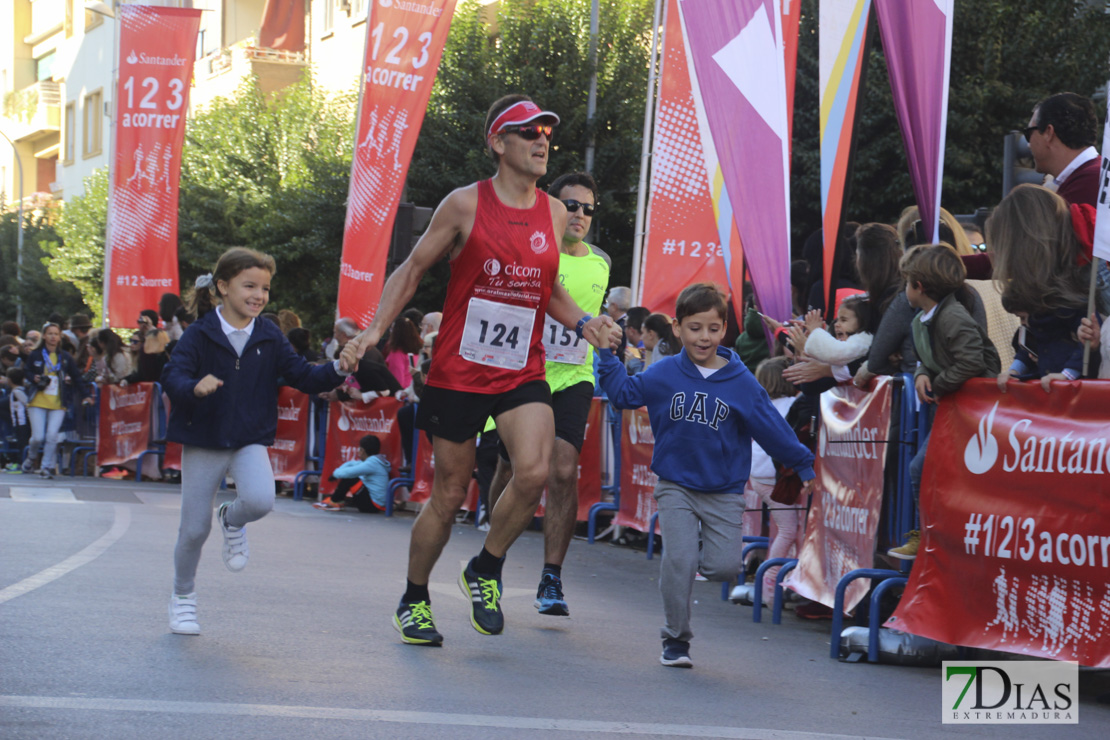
x=875 y=574
x=410 y=480
x=780 y=593
x=320 y=421
x=764 y=542
x=92 y=418
x=757 y=587
x=158 y=444
x=873 y=625
x=591 y=519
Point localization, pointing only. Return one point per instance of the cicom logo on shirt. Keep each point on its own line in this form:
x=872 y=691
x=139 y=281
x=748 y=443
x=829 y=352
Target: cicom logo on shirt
x=492 y=267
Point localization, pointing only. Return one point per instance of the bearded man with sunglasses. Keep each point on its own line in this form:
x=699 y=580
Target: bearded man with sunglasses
x=502 y=236
x=584 y=272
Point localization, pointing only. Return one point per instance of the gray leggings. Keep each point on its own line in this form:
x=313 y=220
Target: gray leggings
x=202 y=469
x=687 y=519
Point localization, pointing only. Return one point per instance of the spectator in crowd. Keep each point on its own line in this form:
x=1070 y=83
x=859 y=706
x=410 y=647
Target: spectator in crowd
x=658 y=338
x=402 y=350
x=878 y=257
x=168 y=305
x=272 y=318
x=913 y=231
x=851 y=341
x=55 y=387
x=17 y=405
x=415 y=315
x=1043 y=272
x=110 y=360
x=371 y=469
x=183 y=318
x=617 y=305
x=634 y=324
x=845 y=257
x=79 y=327
x=288 y=321
x=705 y=408
x=751 y=345
x=1062 y=133
x=301 y=339
x=430 y=324
x=345 y=330
x=11 y=352
x=149 y=354
x=10 y=329
x=1099 y=338
x=951 y=346
x=789 y=521
x=799 y=285
x=30 y=339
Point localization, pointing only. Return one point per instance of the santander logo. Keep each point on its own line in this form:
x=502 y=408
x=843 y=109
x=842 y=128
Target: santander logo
x=982 y=449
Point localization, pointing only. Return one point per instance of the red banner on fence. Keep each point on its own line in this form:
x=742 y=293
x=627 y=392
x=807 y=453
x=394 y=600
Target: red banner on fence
x=404 y=43
x=350 y=421
x=125 y=421
x=589 y=461
x=1015 y=515
x=637 y=480
x=291 y=441
x=848 y=493
x=156 y=54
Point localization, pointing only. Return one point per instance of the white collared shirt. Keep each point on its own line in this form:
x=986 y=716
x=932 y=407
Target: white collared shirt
x=228 y=328
x=928 y=314
x=1081 y=159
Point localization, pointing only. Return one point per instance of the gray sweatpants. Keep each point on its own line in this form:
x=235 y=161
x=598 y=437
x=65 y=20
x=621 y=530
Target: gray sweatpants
x=202 y=469
x=680 y=512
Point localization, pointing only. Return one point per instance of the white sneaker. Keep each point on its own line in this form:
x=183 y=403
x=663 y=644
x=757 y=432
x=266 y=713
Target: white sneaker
x=235 y=550
x=183 y=614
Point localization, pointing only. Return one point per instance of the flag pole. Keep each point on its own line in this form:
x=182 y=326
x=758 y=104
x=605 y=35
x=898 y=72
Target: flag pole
x=645 y=155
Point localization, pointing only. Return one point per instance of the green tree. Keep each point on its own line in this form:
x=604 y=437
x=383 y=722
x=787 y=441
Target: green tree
x=77 y=258
x=40 y=293
x=541 y=49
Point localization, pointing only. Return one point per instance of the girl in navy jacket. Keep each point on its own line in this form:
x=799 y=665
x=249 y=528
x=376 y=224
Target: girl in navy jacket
x=222 y=380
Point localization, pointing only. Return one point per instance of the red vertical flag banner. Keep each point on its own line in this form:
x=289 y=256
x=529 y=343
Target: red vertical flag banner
x=637 y=479
x=404 y=43
x=156 y=54
x=589 y=462
x=847 y=495
x=682 y=246
x=1015 y=500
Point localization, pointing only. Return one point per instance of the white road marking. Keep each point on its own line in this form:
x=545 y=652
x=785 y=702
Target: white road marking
x=73 y=562
x=53 y=495
x=412 y=718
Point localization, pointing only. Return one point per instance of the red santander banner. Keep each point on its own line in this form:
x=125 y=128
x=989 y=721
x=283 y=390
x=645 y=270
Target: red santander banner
x=350 y=421
x=125 y=420
x=637 y=480
x=156 y=54
x=287 y=454
x=848 y=493
x=589 y=461
x=1015 y=509
x=404 y=43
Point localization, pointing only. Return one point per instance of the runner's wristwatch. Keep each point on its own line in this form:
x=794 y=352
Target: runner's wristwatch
x=581 y=324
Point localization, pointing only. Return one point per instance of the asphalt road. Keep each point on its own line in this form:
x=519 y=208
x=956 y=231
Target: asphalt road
x=300 y=644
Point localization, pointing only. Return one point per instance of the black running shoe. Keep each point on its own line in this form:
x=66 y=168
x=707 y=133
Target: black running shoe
x=414 y=622
x=485 y=597
x=549 y=596
x=676 y=653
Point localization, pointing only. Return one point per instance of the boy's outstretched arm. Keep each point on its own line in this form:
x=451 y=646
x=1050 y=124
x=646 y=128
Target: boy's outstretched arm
x=624 y=392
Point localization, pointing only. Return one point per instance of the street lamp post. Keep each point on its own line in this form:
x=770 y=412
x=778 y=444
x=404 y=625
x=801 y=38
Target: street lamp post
x=19 y=237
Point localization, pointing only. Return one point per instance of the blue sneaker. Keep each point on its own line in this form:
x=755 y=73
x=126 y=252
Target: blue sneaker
x=676 y=653
x=549 y=596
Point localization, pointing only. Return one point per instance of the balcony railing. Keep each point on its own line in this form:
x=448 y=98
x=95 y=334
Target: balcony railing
x=34 y=110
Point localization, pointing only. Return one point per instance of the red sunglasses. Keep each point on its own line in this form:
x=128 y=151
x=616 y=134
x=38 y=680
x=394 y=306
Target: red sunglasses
x=531 y=132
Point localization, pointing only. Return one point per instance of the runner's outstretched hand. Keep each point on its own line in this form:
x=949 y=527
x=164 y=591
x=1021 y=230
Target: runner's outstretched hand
x=594 y=332
x=356 y=348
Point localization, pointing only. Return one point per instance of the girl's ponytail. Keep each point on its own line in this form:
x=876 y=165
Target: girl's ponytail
x=202 y=300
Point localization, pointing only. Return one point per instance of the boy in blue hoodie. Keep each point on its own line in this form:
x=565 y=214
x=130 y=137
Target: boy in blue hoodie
x=705 y=408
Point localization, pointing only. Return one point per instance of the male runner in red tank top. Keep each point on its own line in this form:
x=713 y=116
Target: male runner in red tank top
x=502 y=237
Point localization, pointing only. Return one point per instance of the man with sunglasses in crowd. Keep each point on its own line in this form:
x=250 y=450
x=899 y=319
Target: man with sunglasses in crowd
x=1062 y=133
x=584 y=272
x=502 y=236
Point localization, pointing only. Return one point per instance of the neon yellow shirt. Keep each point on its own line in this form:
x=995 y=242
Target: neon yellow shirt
x=586 y=279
